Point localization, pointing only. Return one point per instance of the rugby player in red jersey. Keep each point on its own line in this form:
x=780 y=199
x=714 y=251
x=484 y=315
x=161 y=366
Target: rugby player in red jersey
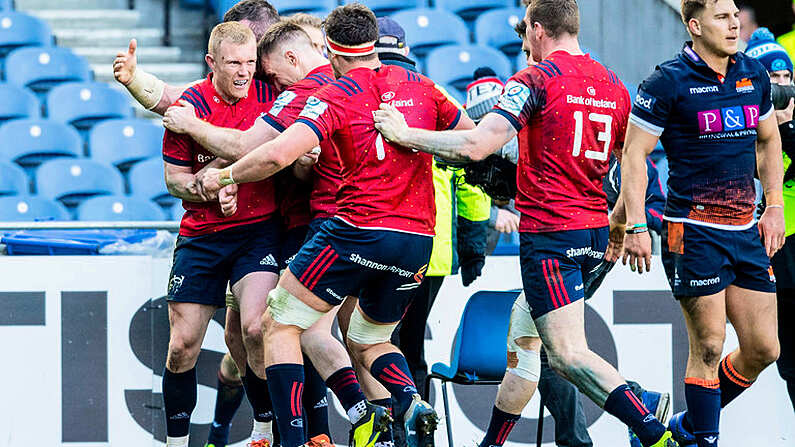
x=214 y=251
x=378 y=244
x=570 y=112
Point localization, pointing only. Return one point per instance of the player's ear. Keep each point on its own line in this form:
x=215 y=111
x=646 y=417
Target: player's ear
x=694 y=26
x=291 y=58
x=210 y=61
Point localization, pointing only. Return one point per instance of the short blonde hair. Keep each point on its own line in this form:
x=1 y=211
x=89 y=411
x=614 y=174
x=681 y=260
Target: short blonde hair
x=235 y=32
x=691 y=8
x=303 y=19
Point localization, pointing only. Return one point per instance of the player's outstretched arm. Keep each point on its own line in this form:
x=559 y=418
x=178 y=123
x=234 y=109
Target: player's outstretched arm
x=770 y=165
x=637 y=146
x=227 y=143
x=181 y=183
x=151 y=92
x=264 y=161
x=459 y=145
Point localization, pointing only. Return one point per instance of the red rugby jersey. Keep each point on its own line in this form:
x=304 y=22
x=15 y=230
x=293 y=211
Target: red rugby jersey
x=384 y=187
x=327 y=178
x=256 y=201
x=570 y=112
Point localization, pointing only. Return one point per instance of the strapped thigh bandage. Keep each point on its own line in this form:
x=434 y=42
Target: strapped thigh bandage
x=363 y=332
x=523 y=363
x=289 y=310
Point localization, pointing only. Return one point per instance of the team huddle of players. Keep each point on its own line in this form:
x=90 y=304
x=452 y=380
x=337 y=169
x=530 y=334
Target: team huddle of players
x=304 y=165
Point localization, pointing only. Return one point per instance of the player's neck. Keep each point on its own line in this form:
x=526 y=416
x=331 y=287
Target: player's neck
x=314 y=62
x=372 y=64
x=227 y=98
x=565 y=43
x=719 y=64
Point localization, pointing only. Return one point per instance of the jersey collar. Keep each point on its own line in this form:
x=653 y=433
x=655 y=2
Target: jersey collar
x=216 y=97
x=695 y=61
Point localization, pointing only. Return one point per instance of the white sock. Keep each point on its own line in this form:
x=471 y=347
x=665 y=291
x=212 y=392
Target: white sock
x=262 y=430
x=356 y=412
x=182 y=441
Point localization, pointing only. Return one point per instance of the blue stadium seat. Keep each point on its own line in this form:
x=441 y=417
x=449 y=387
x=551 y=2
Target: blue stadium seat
x=386 y=7
x=469 y=9
x=455 y=64
x=479 y=351
x=31 y=208
x=146 y=180
x=495 y=29
x=176 y=212
x=123 y=142
x=6 y=5
x=455 y=93
x=521 y=62
x=507 y=245
x=118 y=208
x=13 y=180
x=429 y=28
x=593 y=54
x=17 y=102
x=83 y=104
x=285 y=7
x=22 y=30
x=41 y=68
x=30 y=142
x=73 y=180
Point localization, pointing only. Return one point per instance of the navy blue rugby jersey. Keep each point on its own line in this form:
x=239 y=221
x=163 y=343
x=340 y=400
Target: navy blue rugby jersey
x=707 y=125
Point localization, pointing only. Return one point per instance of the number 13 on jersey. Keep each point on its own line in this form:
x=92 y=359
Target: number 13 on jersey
x=604 y=136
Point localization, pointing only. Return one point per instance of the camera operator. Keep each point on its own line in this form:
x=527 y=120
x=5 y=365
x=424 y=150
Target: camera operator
x=764 y=48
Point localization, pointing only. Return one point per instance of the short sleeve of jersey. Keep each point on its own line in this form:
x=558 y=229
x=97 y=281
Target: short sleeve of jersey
x=285 y=109
x=322 y=114
x=653 y=103
x=177 y=149
x=449 y=112
x=522 y=97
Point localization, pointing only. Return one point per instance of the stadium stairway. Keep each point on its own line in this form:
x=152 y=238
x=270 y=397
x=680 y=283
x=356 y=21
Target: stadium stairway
x=98 y=29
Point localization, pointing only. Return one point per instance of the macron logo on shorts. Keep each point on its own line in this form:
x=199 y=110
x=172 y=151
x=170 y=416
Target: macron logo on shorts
x=704 y=282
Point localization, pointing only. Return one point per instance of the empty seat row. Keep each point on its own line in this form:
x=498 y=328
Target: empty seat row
x=102 y=208
x=73 y=180
x=42 y=68
x=21 y=30
x=117 y=142
x=81 y=104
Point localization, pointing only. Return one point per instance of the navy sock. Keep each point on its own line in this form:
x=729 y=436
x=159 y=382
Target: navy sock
x=227 y=401
x=624 y=405
x=346 y=387
x=179 y=399
x=703 y=410
x=500 y=427
x=732 y=383
x=386 y=438
x=258 y=395
x=393 y=372
x=315 y=402
x=286 y=384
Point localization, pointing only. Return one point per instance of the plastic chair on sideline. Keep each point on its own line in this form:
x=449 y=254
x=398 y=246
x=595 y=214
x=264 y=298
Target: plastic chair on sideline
x=31 y=208
x=119 y=208
x=480 y=351
x=455 y=64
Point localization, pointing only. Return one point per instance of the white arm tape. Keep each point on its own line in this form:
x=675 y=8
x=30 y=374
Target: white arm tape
x=146 y=88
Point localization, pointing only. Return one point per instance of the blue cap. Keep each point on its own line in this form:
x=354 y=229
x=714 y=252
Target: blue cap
x=391 y=35
x=763 y=47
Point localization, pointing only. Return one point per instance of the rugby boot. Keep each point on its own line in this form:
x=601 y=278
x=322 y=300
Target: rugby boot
x=666 y=441
x=682 y=436
x=420 y=422
x=366 y=431
x=319 y=441
x=659 y=404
